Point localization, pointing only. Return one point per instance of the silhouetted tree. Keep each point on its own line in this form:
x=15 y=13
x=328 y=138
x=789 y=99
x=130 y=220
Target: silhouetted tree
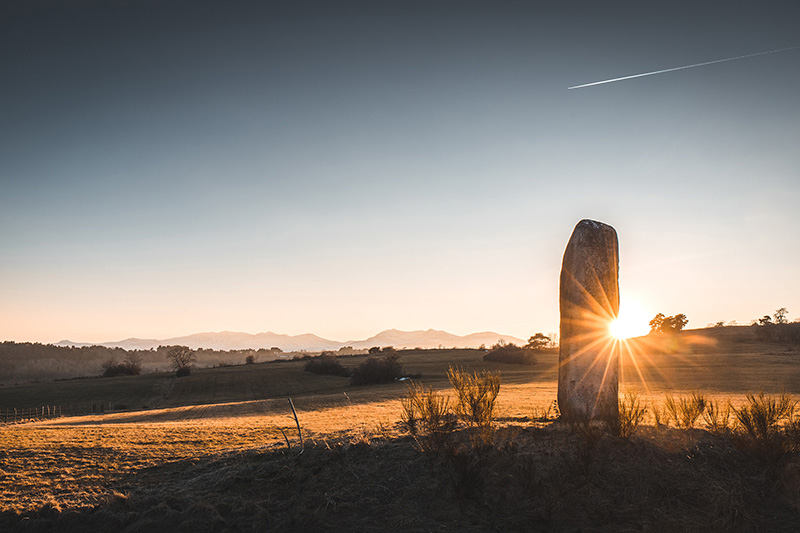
x=538 y=342
x=780 y=316
x=668 y=324
x=181 y=359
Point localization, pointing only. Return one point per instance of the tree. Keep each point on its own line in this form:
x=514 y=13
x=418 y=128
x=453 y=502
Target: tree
x=181 y=358
x=675 y=323
x=668 y=324
x=656 y=323
x=765 y=320
x=538 y=342
x=133 y=360
x=780 y=316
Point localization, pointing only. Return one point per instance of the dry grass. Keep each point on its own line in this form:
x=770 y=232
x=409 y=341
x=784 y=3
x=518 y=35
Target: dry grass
x=224 y=461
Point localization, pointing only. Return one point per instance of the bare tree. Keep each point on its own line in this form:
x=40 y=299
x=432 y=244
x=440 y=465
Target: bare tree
x=181 y=357
x=133 y=360
x=780 y=316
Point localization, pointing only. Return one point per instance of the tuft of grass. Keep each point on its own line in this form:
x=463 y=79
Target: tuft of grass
x=757 y=429
x=660 y=416
x=476 y=396
x=426 y=416
x=549 y=414
x=717 y=417
x=685 y=410
x=760 y=416
x=630 y=414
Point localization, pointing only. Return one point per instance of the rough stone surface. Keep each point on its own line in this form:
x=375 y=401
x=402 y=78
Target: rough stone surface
x=588 y=372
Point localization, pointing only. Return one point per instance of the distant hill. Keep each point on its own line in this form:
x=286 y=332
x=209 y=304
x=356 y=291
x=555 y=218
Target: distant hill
x=230 y=340
x=432 y=338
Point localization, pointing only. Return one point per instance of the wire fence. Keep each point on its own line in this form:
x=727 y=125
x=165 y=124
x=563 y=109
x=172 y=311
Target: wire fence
x=45 y=412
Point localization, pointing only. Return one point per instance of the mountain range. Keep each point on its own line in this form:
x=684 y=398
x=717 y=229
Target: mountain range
x=230 y=340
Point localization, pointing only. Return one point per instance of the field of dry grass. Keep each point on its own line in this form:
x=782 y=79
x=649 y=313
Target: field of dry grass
x=118 y=470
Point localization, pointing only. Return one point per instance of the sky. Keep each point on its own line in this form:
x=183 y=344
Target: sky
x=341 y=168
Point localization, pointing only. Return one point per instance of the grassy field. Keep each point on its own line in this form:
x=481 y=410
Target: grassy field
x=213 y=447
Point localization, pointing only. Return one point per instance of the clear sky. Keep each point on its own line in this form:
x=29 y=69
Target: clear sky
x=171 y=167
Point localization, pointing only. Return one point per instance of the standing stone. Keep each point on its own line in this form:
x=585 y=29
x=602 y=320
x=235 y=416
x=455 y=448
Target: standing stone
x=588 y=361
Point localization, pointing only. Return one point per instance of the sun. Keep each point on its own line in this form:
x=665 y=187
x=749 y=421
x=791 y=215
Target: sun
x=632 y=321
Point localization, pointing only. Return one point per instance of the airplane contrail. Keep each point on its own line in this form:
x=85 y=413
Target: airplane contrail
x=681 y=68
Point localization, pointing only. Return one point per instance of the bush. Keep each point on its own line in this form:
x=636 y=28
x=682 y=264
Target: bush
x=250 y=360
x=121 y=369
x=511 y=354
x=183 y=372
x=377 y=370
x=131 y=366
x=326 y=364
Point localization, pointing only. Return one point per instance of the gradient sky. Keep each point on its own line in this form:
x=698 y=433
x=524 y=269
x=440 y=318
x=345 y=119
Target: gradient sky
x=343 y=168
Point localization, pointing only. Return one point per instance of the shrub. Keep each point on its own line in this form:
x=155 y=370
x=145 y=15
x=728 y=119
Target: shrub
x=121 y=369
x=475 y=399
x=183 y=371
x=377 y=370
x=131 y=366
x=250 y=360
x=686 y=410
x=511 y=354
x=326 y=364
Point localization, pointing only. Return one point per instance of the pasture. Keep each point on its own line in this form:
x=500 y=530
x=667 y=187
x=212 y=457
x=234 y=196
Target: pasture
x=211 y=451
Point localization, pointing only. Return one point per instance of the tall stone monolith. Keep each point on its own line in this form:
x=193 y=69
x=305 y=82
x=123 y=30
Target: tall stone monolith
x=588 y=371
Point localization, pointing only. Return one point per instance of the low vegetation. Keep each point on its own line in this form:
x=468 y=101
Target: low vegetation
x=455 y=451
x=131 y=366
x=326 y=364
x=685 y=410
x=511 y=354
x=377 y=369
x=630 y=414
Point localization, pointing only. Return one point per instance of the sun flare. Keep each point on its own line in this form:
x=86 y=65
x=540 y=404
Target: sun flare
x=632 y=321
